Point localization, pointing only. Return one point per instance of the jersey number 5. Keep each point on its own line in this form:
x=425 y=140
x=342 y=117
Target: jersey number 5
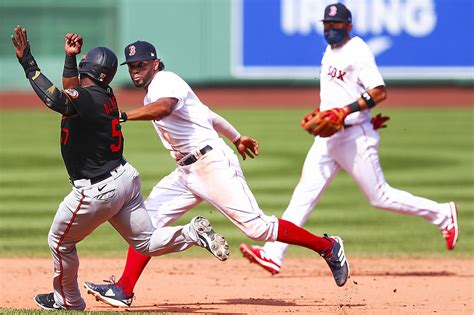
x=116 y=133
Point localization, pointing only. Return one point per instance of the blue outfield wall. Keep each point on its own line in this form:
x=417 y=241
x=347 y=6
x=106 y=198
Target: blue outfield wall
x=246 y=41
x=411 y=39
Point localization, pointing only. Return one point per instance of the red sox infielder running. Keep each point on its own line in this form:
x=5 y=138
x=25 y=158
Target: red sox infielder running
x=104 y=186
x=207 y=170
x=348 y=70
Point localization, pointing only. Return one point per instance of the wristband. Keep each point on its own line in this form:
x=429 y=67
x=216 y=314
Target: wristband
x=236 y=138
x=28 y=62
x=70 y=67
x=123 y=117
x=368 y=99
x=354 y=107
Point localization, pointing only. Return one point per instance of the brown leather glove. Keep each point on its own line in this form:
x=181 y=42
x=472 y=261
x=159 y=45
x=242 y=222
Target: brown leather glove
x=325 y=123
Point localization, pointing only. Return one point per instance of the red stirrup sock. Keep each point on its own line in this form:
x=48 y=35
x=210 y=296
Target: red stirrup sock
x=133 y=269
x=290 y=233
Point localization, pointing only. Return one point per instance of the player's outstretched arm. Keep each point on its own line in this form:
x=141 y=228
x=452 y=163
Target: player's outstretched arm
x=48 y=93
x=72 y=47
x=153 y=111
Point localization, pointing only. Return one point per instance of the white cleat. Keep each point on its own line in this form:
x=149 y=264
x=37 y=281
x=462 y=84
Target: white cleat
x=209 y=239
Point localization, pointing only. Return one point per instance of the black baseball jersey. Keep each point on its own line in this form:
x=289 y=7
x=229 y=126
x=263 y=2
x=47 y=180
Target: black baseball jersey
x=91 y=139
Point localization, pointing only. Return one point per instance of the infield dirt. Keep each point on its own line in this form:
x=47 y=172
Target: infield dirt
x=305 y=286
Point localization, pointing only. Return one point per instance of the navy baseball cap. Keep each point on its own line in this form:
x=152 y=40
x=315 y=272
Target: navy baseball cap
x=337 y=12
x=139 y=51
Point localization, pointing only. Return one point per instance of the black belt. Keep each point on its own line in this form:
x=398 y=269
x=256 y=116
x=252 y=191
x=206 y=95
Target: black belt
x=193 y=157
x=99 y=178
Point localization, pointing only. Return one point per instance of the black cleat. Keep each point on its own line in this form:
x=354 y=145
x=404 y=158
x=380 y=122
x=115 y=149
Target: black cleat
x=46 y=302
x=336 y=260
x=109 y=293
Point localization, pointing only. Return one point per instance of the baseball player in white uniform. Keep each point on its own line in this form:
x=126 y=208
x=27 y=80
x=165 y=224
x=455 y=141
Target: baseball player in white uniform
x=208 y=170
x=349 y=75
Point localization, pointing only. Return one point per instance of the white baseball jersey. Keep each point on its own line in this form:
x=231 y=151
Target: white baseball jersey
x=188 y=127
x=216 y=177
x=346 y=72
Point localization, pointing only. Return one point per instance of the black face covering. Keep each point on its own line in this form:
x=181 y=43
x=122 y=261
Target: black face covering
x=334 y=36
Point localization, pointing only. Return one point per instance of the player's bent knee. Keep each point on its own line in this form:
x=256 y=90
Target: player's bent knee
x=53 y=240
x=377 y=203
x=58 y=246
x=142 y=248
x=383 y=201
x=380 y=198
x=261 y=231
x=255 y=237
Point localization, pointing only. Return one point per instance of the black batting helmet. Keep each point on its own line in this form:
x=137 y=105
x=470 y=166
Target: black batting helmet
x=100 y=64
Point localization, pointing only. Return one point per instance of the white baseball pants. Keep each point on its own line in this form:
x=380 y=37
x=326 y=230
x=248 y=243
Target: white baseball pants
x=118 y=200
x=218 y=179
x=355 y=150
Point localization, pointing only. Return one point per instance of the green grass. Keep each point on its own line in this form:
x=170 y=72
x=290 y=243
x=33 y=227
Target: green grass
x=426 y=152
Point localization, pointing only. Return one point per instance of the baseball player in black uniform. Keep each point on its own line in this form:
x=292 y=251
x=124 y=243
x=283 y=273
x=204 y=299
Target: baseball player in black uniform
x=104 y=186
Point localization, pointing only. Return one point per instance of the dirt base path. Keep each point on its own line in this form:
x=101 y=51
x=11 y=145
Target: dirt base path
x=183 y=285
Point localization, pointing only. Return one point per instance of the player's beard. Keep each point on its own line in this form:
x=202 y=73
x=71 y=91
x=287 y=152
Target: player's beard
x=139 y=82
x=142 y=80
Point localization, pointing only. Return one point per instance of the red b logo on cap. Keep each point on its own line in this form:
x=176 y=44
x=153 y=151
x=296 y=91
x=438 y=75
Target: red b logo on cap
x=132 y=50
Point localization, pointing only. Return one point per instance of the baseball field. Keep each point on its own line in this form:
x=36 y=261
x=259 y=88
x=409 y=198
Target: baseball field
x=399 y=263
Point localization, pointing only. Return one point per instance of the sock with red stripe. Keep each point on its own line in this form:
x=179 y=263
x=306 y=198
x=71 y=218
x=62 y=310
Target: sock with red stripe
x=134 y=267
x=292 y=234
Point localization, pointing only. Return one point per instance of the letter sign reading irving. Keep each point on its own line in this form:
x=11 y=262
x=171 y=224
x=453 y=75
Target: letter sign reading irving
x=411 y=39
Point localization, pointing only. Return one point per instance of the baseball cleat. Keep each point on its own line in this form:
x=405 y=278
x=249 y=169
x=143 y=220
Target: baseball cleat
x=336 y=260
x=110 y=294
x=46 y=302
x=209 y=239
x=256 y=254
x=451 y=232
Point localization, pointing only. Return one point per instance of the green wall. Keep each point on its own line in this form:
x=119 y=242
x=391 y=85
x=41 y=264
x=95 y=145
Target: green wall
x=192 y=37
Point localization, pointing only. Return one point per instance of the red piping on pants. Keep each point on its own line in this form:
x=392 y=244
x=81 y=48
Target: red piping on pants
x=59 y=244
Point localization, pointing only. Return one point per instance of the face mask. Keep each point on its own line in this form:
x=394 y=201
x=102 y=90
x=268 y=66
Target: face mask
x=334 y=36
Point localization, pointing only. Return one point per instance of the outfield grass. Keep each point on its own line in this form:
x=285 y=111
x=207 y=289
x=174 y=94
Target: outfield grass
x=426 y=152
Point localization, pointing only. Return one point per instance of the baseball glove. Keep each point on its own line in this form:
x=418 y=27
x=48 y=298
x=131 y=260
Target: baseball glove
x=379 y=121
x=325 y=123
